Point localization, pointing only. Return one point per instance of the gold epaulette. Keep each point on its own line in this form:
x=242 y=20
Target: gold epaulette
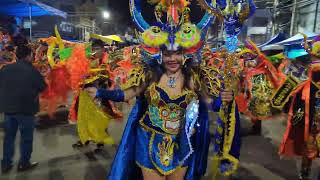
x=210 y=77
x=135 y=78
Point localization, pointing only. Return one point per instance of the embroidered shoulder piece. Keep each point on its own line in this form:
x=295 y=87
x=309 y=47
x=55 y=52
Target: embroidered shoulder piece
x=282 y=95
x=210 y=76
x=135 y=78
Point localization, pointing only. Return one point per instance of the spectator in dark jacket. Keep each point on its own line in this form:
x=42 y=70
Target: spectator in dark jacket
x=20 y=85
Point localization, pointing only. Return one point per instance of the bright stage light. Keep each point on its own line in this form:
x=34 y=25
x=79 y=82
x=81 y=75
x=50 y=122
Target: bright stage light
x=106 y=14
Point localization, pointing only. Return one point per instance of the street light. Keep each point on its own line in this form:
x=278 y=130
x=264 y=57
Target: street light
x=106 y=14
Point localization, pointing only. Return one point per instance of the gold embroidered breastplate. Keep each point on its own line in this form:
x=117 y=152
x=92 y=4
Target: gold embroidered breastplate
x=165 y=114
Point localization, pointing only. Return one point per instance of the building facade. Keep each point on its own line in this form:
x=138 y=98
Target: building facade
x=308 y=18
x=84 y=17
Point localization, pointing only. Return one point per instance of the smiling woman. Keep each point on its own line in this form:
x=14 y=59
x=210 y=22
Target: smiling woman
x=167 y=131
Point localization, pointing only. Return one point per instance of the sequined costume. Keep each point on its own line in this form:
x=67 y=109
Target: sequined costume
x=93 y=121
x=303 y=123
x=259 y=81
x=233 y=13
x=299 y=95
x=304 y=105
x=95 y=65
x=165 y=133
x=94 y=115
x=72 y=70
x=150 y=140
x=159 y=128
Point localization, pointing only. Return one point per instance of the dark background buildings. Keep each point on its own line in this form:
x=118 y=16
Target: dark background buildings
x=86 y=16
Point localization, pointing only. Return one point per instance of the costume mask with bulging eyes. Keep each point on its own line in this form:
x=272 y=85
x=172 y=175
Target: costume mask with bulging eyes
x=186 y=36
x=177 y=33
x=154 y=37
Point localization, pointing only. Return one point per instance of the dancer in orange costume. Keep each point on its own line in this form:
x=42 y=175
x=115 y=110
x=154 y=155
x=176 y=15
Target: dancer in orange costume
x=302 y=137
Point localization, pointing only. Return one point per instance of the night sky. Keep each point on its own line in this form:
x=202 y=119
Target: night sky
x=121 y=9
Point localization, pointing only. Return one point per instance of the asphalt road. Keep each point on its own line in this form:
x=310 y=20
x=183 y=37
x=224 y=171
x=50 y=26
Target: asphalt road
x=59 y=161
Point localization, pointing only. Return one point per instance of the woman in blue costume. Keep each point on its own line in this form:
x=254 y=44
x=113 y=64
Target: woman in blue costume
x=167 y=133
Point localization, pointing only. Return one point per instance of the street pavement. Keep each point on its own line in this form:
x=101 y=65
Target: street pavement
x=59 y=161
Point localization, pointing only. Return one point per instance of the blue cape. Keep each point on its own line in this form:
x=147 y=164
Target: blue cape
x=124 y=166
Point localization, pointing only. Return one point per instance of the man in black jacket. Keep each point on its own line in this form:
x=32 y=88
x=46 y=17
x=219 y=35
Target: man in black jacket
x=20 y=85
